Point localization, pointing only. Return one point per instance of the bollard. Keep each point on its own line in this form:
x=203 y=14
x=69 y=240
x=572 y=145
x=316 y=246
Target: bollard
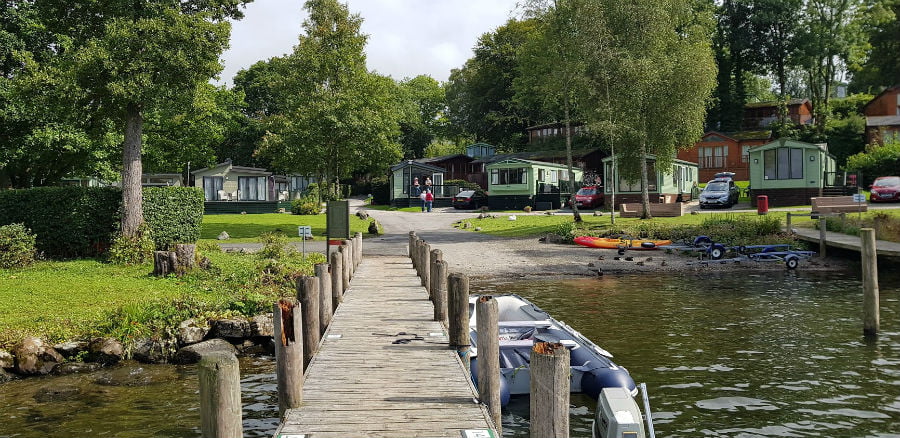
x=359 y=248
x=348 y=262
x=417 y=256
x=337 y=280
x=346 y=272
x=439 y=279
x=488 y=331
x=409 y=247
x=549 y=390
x=788 y=222
x=288 y=336
x=308 y=294
x=823 y=224
x=323 y=273
x=458 y=313
x=426 y=265
x=220 y=396
x=435 y=256
x=871 y=312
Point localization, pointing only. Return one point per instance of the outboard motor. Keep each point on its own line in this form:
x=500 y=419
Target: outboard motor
x=618 y=415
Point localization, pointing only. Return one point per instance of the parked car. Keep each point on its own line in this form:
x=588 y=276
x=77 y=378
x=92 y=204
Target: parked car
x=589 y=197
x=724 y=175
x=720 y=192
x=469 y=199
x=885 y=189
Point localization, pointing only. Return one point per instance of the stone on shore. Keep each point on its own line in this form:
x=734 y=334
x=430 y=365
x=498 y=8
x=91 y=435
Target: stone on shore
x=106 y=351
x=76 y=368
x=189 y=332
x=231 y=328
x=193 y=353
x=34 y=357
x=71 y=349
x=6 y=360
x=149 y=351
x=262 y=326
x=5 y=377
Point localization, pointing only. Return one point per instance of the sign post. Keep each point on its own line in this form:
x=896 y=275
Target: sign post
x=859 y=198
x=304 y=231
x=337 y=223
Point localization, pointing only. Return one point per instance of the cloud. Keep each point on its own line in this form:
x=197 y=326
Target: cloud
x=406 y=37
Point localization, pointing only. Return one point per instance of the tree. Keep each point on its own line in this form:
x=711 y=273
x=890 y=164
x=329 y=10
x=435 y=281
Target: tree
x=774 y=24
x=881 y=64
x=259 y=84
x=339 y=118
x=131 y=57
x=650 y=80
x=424 y=105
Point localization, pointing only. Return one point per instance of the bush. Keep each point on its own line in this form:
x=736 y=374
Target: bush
x=381 y=191
x=16 y=246
x=173 y=214
x=305 y=206
x=567 y=231
x=876 y=161
x=132 y=250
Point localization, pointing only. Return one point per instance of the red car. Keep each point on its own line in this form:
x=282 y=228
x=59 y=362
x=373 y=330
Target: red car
x=589 y=197
x=885 y=189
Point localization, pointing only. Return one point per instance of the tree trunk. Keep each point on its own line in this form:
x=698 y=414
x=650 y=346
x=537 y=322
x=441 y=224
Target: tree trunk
x=645 y=186
x=132 y=198
x=575 y=213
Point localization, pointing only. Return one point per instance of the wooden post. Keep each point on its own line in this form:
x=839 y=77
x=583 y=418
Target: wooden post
x=426 y=266
x=439 y=280
x=323 y=274
x=359 y=248
x=871 y=317
x=337 y=280
x=220 y=396
x=349 y=261
x=417 y=255
x=345 y=253
x=435 y=256
x=549 y=390
x=823 y=225
x=288 y=354
x=458 y=312
x=308 y=294
x=486 y=312
x=409 y=248
x=788 y=222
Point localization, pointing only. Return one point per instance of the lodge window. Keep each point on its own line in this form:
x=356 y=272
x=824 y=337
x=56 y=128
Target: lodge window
x=626 y=186
x=783 y=163
x=212 y=185
x=509 y=176
x=712 y=157
x=252 y=188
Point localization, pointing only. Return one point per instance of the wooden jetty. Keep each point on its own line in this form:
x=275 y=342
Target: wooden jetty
x=846 y=241
x=384 y=367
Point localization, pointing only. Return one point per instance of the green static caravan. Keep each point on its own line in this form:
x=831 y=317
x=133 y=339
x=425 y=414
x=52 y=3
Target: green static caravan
x=409 y=178
x=665 y=185
x=790 y=172
x=516 y=183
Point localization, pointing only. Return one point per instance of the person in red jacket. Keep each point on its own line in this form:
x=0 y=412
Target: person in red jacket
x=429 y=199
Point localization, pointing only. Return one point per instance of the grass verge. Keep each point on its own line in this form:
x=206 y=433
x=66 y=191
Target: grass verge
x=245 y=228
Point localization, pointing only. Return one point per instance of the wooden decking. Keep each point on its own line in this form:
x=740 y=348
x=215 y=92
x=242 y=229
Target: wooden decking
x=373 y=381
x=846 y=241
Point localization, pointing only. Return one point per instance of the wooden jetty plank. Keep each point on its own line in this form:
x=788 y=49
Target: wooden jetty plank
x=846 y=241
x=362 y=384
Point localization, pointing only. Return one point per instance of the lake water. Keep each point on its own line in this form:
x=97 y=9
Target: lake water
x=773 y=354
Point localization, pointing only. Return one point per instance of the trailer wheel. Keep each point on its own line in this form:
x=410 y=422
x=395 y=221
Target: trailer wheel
x=792 y=262
x=717 y=252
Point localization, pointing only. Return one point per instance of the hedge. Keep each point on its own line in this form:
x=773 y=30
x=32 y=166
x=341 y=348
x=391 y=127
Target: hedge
x=81 y=221
x=381 y=191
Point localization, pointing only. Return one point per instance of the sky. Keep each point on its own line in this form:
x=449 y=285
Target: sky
x=406 y=37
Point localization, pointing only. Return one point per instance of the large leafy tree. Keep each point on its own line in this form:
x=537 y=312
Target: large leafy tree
x=423 y=102
x=338 y=117
x=131 y=57
x=881 y=64
x=774 y=25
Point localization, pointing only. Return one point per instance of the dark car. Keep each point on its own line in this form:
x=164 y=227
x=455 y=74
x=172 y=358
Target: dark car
x=589 y=197
x=885 y=189
x=469 y=199
x=720 y=192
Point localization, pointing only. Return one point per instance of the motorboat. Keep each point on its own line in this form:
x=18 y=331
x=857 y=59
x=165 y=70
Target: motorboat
x=520 y=325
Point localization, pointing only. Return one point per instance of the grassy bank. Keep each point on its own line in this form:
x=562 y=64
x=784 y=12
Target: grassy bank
x=886 y=224
x=75 y=299
x=244 y=228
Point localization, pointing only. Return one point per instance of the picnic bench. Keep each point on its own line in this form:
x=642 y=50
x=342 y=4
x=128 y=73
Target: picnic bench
x=837 y=204
x=674 y=209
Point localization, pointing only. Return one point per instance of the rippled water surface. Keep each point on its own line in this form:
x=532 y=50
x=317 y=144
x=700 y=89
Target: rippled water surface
x=724 y=355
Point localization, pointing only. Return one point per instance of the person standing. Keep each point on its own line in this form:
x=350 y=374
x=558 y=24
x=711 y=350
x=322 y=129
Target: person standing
x=429 y=199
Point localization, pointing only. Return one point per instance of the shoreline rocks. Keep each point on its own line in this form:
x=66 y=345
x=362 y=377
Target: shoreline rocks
x=33 y=357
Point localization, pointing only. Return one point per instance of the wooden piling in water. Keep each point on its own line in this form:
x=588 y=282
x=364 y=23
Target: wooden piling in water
x=871 y=312
x=308 y=294
x=345 y=253
x=549 y=390
x=435 y=256
x=487 y=327
x=439 y=280
x=337 y=279
x=823 y=225
x=220 y=396
x=288 y=337
x=458 y=315
x=323 y=273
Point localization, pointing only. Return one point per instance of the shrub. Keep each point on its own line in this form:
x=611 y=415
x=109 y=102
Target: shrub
x=16 y=246
x=567 y=231
x=876 y=161
x=173 y=214
x=381 y=191
x=527 y=209
x=274 y=246
x=305 y=206
x=127 y=250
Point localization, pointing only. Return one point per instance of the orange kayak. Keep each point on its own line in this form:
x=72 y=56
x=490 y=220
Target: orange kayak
x=603 y=242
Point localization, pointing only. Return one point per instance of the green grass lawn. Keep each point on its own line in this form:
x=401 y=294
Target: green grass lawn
x=245 y=228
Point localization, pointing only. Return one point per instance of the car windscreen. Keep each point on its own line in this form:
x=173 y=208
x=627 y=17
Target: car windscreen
x=887 y=182
x=465 y=194
x=716 y=187
x=587 y=192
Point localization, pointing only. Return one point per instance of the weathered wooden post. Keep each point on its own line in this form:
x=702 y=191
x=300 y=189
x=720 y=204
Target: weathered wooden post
x=349 y=261
x=323 y=273
x=487 y=327
x=549 y=390
x=409 y=248
x=439 y=280
x=823 y=225
x=345 y=252
x=308 y=294
x=788 y=223
x=288 y=336
x=337 y=279
x=359 y=248
x=458 y=310
x=435 y=256
x=220 y=396
x=426 y=266
x=417 y=255
x=871 y=311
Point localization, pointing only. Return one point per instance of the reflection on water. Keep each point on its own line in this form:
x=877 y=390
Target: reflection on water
x=774 y=354
x=736 y=355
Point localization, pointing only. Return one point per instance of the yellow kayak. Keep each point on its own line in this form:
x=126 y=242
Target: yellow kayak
x=604 y=242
